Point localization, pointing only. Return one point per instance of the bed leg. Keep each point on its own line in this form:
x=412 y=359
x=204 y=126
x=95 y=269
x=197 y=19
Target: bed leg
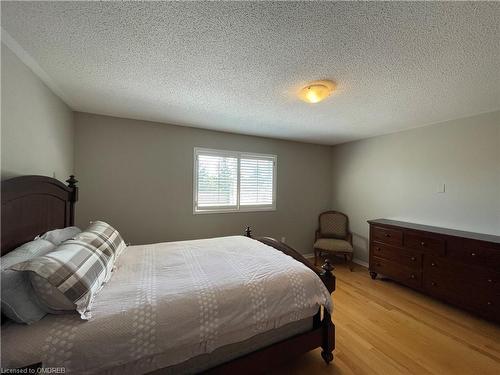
x=328 y=337
x=327 y=357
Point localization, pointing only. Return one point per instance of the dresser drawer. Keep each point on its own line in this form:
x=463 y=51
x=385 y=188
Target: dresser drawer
x=407 y=258
x=484 y=301
x=387 y=235
x=441 y=285
x=429 y=244
x=466 y=275
x=489 y=308
x=396 y=272
x=476 y=252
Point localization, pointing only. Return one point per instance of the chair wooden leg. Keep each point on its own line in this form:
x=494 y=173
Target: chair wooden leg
x=315 y=257
x=351 y=263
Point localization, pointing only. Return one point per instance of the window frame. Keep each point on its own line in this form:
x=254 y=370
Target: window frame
x=238 y=207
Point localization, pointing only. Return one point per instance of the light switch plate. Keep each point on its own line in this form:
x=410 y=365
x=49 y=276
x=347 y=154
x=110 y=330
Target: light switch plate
x=441 y=188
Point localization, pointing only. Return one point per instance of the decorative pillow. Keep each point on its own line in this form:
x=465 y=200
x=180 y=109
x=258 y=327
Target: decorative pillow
x=58 y=236
x=104 y=237
x=19 y=301
x=77 y=271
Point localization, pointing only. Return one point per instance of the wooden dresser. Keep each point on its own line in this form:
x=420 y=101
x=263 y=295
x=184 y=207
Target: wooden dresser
x=461 y=268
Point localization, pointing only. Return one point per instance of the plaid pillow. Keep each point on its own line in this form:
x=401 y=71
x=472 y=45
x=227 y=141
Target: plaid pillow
x=104 y=237
x=76 y=269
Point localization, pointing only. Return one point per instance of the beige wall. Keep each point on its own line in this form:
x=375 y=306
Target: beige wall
x=37 y=127
x=396 y=176
x=139 y=176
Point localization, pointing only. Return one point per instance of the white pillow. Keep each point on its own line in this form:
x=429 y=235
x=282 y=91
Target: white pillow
x=58 y=236
x=18 y=299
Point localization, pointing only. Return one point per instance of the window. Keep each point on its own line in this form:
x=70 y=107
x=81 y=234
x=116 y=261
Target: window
x=227 y=181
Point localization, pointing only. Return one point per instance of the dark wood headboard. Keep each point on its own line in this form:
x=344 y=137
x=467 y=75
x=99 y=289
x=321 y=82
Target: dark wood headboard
x=32 y=205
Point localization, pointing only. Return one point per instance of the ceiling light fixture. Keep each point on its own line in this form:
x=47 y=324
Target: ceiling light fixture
x=316 y=91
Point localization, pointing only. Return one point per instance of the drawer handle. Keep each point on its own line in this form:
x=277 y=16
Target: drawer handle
x=472 y=254
x=378 y=264
x=422 y=243
x=433 y=264
x=490 y=280
x=433 y=283
x=412 y=276
x=377 y=248
x=387 y=235
x=413 y=258
x=489 y=303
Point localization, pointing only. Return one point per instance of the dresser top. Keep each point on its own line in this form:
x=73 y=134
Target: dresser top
x=431 y=229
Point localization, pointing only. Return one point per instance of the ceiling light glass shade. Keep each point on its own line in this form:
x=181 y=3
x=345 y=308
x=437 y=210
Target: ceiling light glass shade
x=316 y=91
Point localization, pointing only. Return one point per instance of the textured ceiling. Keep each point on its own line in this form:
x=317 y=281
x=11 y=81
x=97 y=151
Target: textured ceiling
x=237 y=66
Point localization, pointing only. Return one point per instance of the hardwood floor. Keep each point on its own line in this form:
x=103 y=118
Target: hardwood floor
x=384 y=328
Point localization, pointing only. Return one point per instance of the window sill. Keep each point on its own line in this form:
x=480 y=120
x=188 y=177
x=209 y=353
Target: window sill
x=232 y=211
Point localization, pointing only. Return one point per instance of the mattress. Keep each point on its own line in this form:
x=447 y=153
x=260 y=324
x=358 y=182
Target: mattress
x=170 y=302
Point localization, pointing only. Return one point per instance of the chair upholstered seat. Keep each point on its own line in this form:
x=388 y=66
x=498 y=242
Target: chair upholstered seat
x=333 y=245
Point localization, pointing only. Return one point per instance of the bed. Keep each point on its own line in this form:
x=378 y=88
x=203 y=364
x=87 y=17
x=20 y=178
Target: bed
x=247 y=338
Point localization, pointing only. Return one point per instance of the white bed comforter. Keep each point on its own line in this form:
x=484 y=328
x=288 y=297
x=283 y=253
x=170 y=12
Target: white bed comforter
x=179 y=299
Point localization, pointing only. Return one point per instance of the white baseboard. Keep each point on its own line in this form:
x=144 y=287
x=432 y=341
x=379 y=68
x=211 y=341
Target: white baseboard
x=360 y=262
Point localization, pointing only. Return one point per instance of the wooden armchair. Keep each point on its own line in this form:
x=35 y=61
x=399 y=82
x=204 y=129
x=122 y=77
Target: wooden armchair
x=333 y=236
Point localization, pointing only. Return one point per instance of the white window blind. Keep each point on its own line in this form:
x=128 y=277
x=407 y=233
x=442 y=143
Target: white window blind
x=217 y=181
x=226 y=181
x=256 y=181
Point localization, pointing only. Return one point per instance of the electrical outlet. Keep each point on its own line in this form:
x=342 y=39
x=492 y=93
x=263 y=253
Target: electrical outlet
x=441 y=188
